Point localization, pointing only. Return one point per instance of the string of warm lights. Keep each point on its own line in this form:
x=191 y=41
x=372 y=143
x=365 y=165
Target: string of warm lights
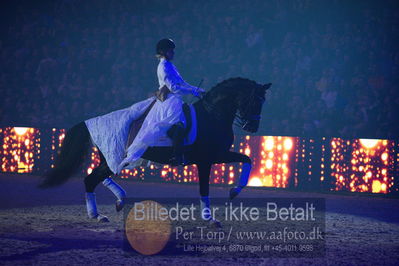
x=360 y=165
x=20 y=149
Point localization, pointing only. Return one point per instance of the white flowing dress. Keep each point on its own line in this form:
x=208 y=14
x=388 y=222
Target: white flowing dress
x=110 y=132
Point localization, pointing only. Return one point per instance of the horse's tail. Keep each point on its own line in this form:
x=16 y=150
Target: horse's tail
x=74 y=148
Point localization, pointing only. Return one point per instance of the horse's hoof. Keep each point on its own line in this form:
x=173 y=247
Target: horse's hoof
x=215 y=223
x=102 y=218
x=233 y=193
x=119 y=205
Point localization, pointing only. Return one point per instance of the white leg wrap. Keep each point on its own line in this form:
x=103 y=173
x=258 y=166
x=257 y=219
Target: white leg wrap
x=205 y=204
x=91 y=205
x=246 y=170
x=242 y=182
x=115 y=188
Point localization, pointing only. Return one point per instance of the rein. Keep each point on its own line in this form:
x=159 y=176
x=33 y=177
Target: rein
x=240 y=120
x=212 y=109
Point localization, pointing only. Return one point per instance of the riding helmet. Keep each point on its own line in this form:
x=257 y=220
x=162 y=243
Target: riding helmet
x=164 y=45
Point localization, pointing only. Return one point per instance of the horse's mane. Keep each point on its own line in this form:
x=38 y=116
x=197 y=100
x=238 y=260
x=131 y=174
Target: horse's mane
x=230 y=86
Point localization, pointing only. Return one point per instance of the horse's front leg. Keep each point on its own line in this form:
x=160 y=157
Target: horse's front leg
x=232 y=157
x=204 y=170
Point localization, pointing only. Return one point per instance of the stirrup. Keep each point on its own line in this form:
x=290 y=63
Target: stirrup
x=178 y=161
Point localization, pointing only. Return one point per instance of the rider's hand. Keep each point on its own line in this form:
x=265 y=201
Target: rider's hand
x=198 y=92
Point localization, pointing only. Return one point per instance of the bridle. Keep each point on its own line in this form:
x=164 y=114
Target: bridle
x=243 y=118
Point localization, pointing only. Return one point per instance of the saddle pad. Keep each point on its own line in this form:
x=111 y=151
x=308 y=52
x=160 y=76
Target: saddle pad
x=192 y=132
x=191 y=135
x=190 y=122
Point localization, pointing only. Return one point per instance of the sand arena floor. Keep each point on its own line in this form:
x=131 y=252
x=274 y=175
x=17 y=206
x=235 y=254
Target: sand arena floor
x=43 y=227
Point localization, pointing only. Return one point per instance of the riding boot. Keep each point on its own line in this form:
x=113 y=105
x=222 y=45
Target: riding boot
x=118 y=192
x=91 y=206
x=243 y=181
x=176 y=133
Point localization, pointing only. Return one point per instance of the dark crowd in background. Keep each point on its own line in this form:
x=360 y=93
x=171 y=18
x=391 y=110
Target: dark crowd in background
x=333 y=64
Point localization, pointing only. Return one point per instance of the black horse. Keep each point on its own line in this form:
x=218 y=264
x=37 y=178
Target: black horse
x=235 y=100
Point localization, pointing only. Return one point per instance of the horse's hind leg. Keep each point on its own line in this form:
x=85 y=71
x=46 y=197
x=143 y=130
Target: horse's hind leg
x=99 y=174
x=91 y=181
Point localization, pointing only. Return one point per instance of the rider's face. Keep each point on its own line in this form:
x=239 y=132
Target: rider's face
x=170 y=54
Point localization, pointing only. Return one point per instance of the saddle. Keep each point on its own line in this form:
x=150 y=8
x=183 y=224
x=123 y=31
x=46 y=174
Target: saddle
x=161 y=95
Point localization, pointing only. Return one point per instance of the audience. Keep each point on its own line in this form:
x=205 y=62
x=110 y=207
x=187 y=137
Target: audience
x=333 y=64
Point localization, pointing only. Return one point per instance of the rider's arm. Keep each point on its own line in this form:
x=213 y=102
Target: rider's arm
x=175 y=82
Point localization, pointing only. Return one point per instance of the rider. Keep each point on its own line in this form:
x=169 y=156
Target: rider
x=166 y=116
x=172 y=84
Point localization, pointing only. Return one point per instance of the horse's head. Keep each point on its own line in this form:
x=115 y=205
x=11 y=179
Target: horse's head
x=250 y=102
x=237 y=99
